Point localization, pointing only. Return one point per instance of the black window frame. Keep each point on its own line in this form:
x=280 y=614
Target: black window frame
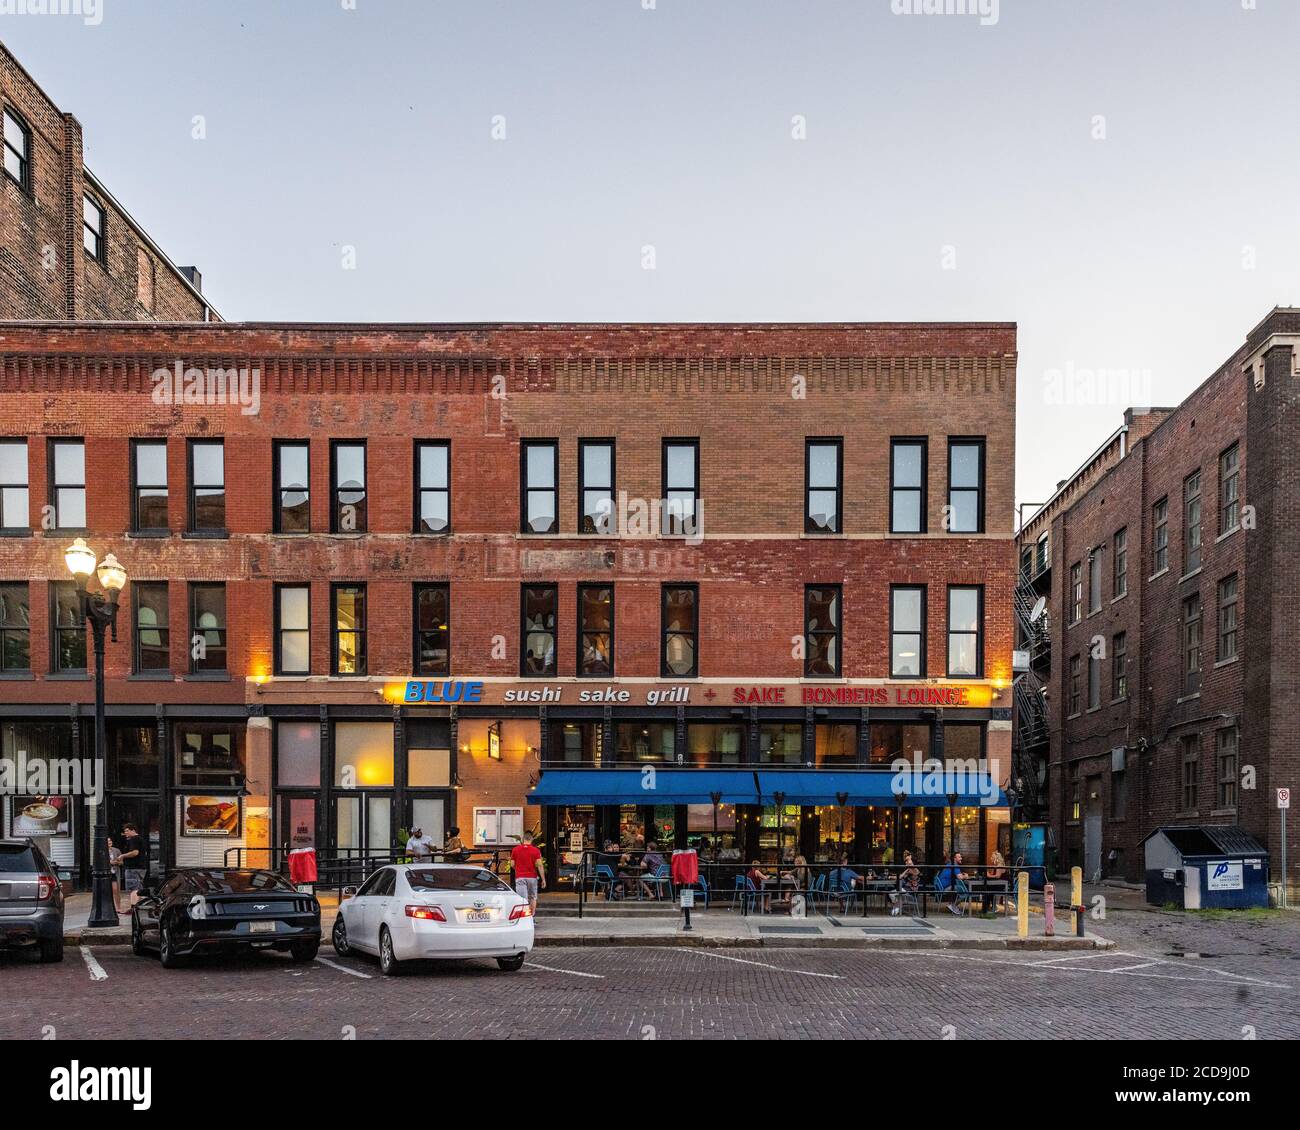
x=24 y=178
x=279 y=629
x=1119 y=666
x=138 y=527
x=1160 y=536
x=554 y=633
x=665 y=632
x=25 y=486
x=100 y=252
x=1119 y=564
x=584 y=486
x=1074 y=687
x=417 y=632
x=54 y=486
x=923 y=632
x=15 y=628
x=809 y=634
x=194 y=588
x=584 y=632
x=978 y=673
x=837 y=443
x=1094 y=580
x=1192 y=623
x=278 y=489
x=1227 y=777
x=1226 y=634
x=923 y=442
x=361 y=632
x=139 y=589
x=1076 y=592
x=1230 y=499
x=981 y=443
x=525 y=490
x=666 y=521
x=1190 y=775
x=1193 y=522
x=419 y=490
x=192 y=487
x=336 y=490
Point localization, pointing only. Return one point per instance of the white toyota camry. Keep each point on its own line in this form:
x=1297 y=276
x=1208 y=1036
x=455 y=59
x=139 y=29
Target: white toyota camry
x=422 y=911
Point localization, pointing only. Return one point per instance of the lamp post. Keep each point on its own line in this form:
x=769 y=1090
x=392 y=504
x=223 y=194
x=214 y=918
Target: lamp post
x=100 y=610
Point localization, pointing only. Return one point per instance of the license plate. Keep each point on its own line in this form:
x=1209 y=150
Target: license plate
x=478 y=916
x=262 y=927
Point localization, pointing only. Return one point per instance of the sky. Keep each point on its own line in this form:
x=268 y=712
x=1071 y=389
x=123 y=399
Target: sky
x=1118 y=177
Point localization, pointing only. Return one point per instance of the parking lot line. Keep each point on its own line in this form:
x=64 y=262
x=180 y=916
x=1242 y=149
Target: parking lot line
x=97 y=972
x=764 y=964
x=342 y=968
x=570 y=972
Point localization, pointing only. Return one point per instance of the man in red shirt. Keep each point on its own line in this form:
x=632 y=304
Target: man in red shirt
x=529 y=870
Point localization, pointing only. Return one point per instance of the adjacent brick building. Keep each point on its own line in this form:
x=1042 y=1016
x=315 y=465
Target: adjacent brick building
x=371 y=586
x=1164 y=667
x=68 y=249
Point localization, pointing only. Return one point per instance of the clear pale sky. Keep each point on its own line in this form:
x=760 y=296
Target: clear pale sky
x=950 y=170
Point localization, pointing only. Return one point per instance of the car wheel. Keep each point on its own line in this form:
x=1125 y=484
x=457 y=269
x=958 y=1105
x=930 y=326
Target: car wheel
x=388 y=963
x=52 y=949
x=137 y=938
x=511 y=964
x=304 y=951
x=167 y=949
x=339 y=937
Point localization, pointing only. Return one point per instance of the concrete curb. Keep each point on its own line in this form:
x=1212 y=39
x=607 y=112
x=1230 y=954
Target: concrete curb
x=704 y=941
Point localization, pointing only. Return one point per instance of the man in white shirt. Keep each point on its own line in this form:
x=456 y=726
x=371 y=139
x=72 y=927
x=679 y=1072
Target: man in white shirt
x=419 y=847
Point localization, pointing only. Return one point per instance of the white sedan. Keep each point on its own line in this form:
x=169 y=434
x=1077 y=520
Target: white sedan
x=420 y=911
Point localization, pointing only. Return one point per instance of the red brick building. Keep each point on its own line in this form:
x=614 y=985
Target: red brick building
x=487 y=575
x=1164 y=665
x=68 y=249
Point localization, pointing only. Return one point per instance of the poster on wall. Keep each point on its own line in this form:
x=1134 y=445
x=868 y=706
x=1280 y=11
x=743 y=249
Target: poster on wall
x=498 y=826
x=41 y=816
x=211 y=815
x=486 y=825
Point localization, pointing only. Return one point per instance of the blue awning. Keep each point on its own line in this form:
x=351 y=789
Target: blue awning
x=867 y=787
x=651 y=785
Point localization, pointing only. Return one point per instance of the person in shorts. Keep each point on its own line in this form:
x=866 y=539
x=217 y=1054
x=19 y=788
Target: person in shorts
x=529 y=871
x=135 y=863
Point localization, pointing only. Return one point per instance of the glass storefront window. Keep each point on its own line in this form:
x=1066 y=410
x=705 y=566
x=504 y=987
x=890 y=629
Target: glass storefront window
x=715 y=745
x=834 y=833
x=893 y=740
x=133 y=757
x=700 y=832
x=880 y=834
x=915 y=833
x=210 y=755
x=297 y=754
x=575 y=743
x=363 y=754
x=631 y=828
x=780 y=744
x=664 y=831
x=837 y=744
x=428 y=769
x=778 y=833
x=645 y=741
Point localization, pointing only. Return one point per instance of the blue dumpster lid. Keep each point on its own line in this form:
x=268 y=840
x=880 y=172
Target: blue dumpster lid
x=1210 y=839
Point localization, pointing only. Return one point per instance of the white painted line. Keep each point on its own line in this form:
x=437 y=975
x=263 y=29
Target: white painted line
x=570 y=972
x=96 y=970
x=764 y=964
x=343 y=968
x=1122 y=972
x=1127 y=968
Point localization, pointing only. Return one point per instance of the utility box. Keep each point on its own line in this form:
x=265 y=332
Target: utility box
x=1206 y=867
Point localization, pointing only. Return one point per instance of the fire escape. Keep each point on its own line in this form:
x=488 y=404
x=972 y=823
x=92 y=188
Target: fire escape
x=1033 y=636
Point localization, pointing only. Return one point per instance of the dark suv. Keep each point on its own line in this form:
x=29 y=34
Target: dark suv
x=31 y=900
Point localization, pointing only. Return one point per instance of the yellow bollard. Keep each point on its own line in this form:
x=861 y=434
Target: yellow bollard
x=1022 y=904
x=1076 y=897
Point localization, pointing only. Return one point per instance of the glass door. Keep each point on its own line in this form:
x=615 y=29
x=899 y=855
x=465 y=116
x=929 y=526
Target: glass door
x=429 y=814
x=362 y=830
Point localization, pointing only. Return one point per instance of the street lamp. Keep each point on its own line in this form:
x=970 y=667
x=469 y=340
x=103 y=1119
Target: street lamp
x=100 y=609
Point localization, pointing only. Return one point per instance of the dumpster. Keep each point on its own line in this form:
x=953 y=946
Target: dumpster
x=1031 y=850
x=1205 y=866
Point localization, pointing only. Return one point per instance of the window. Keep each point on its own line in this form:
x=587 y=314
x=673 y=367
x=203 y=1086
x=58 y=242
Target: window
x=92 y=228
x=1225 y=742
x=1076 y=691
x=68 y=483
x=540 y=608
x=1191 y=771
x=1229 y=490
x=1094 y=680
x=152 y=627
x=348 y=487
x=1076 y=592
x=67 y=628
x=681 y=479
x=18 y=149
x=293 y=630
x=906 y=632
x=433 y=487
x=823 y=485
x=15 y=628
x=148 y=486
x=1041 y=552
x=1160 y=535
x=207 y=486
x=1075 y=787
x=907 y=474
x=1119 y=665
x=1120 y=579
x=965 y=619
x=1227 y=618
x=596 y=487
x=680 y=626
x=1192 y=522
x=715 y=743
x=144 y=278
x=1094 y=580
x=966 y=486
x=433 y=629
x=822 y=630
x=292 y=487
x=595 y=630
x=349 y=644
x=15 y=513
x=1192 y=644
x=540 y=474
x=210 y=755
x=207 y=628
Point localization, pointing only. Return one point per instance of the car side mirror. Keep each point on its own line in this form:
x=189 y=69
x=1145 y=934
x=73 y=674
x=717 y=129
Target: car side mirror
x=347 y=893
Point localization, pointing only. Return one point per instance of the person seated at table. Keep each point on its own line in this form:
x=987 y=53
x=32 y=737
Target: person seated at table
x=612 y=858
x=650 y=864
x=953 y=878
x=756 y=875
x=997 y=873
x=909 y=882
x=798 y=878
x=843 y=881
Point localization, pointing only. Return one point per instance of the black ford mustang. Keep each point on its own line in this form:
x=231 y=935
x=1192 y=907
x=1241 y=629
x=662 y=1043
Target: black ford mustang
x=201 y=910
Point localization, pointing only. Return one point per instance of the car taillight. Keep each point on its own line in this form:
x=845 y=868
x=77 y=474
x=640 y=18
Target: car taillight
x=523 y=910
x=45 y=885
x=427 y=913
